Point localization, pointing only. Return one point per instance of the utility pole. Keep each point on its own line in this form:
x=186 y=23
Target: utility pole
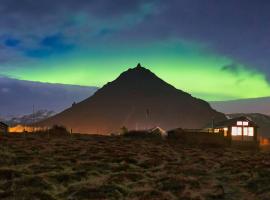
x=147 y=118
x=33 y=117
x=213 y=125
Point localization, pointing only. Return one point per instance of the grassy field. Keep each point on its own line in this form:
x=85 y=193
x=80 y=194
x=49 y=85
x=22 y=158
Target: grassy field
x=95 y=167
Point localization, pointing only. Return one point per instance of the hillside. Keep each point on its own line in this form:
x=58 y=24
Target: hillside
x=30 y=118
x=137 y=99
x=96 y=167
x=254 y=105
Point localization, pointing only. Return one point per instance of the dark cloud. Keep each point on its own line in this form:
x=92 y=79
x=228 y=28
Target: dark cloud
x=12 y=42
x=232 y=68
x=57 y=10
x=39 y=24
x=235 y=70
x=49 y=45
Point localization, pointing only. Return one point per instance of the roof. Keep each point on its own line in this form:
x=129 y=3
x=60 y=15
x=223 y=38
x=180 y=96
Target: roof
x=231 y=122
x=157 y=128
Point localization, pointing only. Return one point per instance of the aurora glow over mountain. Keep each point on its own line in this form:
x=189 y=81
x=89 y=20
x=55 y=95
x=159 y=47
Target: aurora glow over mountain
x=215 y=50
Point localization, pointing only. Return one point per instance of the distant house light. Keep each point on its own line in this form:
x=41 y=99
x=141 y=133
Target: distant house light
x=225 y=131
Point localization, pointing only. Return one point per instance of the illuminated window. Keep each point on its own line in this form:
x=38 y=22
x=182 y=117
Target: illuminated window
x=216 y=130
x=239 y=123
x=245 y=123
x=225 y=132
x=246 y=131
x=250 y=131
x=239 y=130
x=234 y=131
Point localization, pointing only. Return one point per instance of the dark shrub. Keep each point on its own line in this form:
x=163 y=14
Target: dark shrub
x=141 y=134
x=59 y=131
x=55 y=131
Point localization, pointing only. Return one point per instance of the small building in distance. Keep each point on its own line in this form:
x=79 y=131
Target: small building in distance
x=240 y=129
x=3 y=128
x=158 y=131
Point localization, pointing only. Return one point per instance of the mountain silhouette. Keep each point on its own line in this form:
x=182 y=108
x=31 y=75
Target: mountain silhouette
x=137 y=99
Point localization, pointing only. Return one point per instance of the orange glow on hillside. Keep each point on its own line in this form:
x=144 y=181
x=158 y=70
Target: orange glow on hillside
x=264 y=141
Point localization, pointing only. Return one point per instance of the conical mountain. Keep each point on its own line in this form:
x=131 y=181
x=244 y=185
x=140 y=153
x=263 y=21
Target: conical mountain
x=137 y=99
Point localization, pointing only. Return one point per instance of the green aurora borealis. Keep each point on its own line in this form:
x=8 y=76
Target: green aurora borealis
x=187 y=66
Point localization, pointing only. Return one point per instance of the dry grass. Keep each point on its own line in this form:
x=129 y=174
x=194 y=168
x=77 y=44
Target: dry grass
x=95 y=167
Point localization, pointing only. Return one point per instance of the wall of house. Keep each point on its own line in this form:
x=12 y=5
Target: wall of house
x=244 y=137
x=199 y=138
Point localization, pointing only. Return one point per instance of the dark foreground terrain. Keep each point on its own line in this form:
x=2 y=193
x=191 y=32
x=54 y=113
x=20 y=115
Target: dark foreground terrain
x=91 y=167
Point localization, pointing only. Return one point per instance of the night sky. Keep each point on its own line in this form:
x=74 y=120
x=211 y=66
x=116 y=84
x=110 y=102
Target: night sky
x=213 y=49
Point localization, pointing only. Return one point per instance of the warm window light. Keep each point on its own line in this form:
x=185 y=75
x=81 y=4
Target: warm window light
x=250 y=131
x=216 y=130
x=234 y=131
x=245 y=131
x=245 y=123
x=225 y=132
x=239 y=123
x=242 y=123
x=239 y=131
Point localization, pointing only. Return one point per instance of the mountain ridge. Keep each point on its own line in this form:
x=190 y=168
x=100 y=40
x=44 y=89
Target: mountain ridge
x=251 y=105
x=137 y=99
x=19 y=96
